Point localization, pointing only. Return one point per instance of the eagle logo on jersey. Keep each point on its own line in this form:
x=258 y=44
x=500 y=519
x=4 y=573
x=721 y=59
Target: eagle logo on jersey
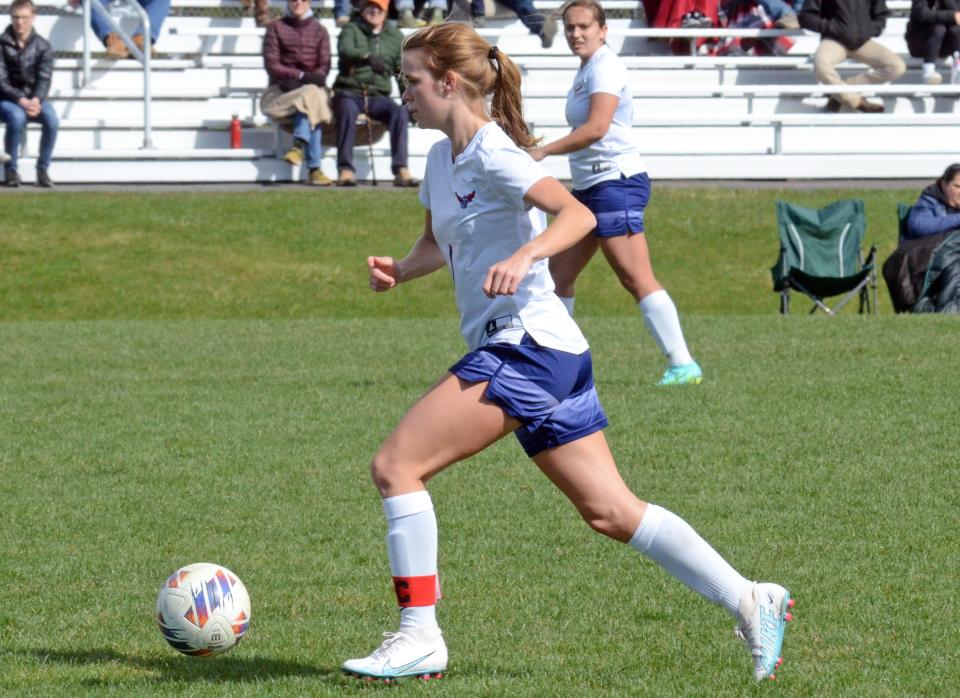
x=466 y=198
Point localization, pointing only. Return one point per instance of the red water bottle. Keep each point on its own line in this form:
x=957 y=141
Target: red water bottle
x=235 y=132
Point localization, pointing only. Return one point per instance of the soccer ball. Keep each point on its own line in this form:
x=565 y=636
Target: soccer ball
x=203 y=609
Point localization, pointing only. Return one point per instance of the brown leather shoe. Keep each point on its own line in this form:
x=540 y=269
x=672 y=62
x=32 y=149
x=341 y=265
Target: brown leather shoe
x=869 y=107
x=834 y=105
x=115 y=46
x=403 y=178
x=138 y=42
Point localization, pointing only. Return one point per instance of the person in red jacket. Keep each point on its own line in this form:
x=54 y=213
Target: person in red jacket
x=296 y=54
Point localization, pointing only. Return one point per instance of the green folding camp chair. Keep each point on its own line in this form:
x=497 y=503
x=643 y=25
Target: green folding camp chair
x=821 y=256
x=903 y=215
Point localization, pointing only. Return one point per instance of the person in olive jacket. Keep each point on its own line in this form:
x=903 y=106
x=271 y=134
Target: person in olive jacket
x=369 y=52
x=846 y=29
x=26 y=69
x=933 y=32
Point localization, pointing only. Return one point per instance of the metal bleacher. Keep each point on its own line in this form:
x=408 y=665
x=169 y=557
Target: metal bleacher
x=695 y=117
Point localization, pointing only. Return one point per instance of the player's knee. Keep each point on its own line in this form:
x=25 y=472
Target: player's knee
x=608 y=521
x=389 y=473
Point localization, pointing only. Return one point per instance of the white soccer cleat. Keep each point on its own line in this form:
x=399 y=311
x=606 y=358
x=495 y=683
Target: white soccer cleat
x=419 y=653
x=763 y=615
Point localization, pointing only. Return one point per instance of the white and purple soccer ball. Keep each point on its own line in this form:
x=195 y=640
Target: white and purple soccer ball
x=203 y=609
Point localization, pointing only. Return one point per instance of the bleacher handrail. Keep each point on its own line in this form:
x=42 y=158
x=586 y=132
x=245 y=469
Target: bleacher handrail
x=142 y=56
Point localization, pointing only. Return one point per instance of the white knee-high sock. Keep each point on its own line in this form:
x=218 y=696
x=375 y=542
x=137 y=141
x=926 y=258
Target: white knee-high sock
x=567 y=303
x=660 y=315
x=672 y=543
x=412 y=548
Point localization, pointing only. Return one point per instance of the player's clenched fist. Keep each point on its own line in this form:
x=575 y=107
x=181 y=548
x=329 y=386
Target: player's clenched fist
x=383 y=273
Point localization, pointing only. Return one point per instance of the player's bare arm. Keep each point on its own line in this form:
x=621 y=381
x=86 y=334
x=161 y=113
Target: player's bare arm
x=424 y=257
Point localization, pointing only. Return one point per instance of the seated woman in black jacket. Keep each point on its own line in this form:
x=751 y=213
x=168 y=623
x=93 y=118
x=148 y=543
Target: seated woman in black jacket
x=933 y=32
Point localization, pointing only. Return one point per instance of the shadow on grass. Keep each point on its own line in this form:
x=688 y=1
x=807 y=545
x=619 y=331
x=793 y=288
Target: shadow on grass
x=237 y=669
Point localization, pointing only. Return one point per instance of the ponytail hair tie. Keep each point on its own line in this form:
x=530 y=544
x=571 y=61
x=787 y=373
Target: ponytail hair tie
x=493 y=54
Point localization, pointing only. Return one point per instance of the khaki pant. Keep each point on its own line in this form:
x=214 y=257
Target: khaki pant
x=308 y=99
x=884 y=64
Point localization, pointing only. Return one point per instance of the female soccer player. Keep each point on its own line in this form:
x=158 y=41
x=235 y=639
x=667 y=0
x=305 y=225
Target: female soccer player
x=528 y=369
x=610 y=179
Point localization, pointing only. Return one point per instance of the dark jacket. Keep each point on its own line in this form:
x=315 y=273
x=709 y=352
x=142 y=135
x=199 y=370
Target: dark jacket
x=931 y=215
x=850 y=22
x=292 y=46
x=356 y=44
x=941 y=288
x=27 y=72
x=906 y=267
x=924 y=14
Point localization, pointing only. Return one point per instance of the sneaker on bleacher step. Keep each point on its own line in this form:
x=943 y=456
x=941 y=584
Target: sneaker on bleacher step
x=789 y=21
x=436 y=15
x=548 y=32
x=932 y=79
x=295 y=155
x=346 y=178
x=870 y=107
x=138 y=42
x=407 y=20
x=403 y=178
x=10 y=177
x=479 y=21
x=43 y=179
x=115 y=46
x=318 y=179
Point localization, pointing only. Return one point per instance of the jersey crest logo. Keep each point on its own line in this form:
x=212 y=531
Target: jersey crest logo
x=466 y=198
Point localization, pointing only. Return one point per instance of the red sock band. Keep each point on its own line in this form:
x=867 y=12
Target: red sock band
x=416 y=591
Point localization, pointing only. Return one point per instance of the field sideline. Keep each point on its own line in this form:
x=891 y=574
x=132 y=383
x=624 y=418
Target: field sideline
x=210 y=385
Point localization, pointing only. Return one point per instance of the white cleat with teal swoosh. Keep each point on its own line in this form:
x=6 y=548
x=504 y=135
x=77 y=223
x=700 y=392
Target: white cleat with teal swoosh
x=419 y=653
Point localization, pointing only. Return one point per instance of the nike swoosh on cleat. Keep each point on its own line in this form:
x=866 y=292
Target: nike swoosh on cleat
x=394 y=671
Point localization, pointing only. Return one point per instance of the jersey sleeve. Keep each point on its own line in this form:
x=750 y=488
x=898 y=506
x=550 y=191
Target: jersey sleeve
x=511 y=172
x=608 y=77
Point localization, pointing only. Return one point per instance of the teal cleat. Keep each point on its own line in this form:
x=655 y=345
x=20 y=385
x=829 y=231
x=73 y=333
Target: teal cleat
x=682 y=375
x=763 y=614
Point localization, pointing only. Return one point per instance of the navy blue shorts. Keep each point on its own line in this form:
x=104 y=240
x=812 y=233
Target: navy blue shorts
x=618 y=204
x=551 y=392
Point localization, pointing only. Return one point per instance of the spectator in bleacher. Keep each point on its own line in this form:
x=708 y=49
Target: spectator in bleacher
x=781 y=13
x=369 y=53
x=26 y=69
x=261 y=10
x=432 y=9
x=610 y=178
x=846 y=29
x=156 y=10
x=296 y=54
x=933 y=32
x=682 y=14
x=538 y=23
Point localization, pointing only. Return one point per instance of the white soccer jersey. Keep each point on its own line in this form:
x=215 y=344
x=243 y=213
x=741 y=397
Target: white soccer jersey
x=615 y=153
x=480 y=218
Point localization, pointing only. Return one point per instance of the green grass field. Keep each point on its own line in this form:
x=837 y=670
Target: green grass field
x=205 y=377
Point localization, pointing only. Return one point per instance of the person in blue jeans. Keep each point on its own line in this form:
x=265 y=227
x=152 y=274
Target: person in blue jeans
x=156 y=10
x=26 y=67
x=544 y=26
